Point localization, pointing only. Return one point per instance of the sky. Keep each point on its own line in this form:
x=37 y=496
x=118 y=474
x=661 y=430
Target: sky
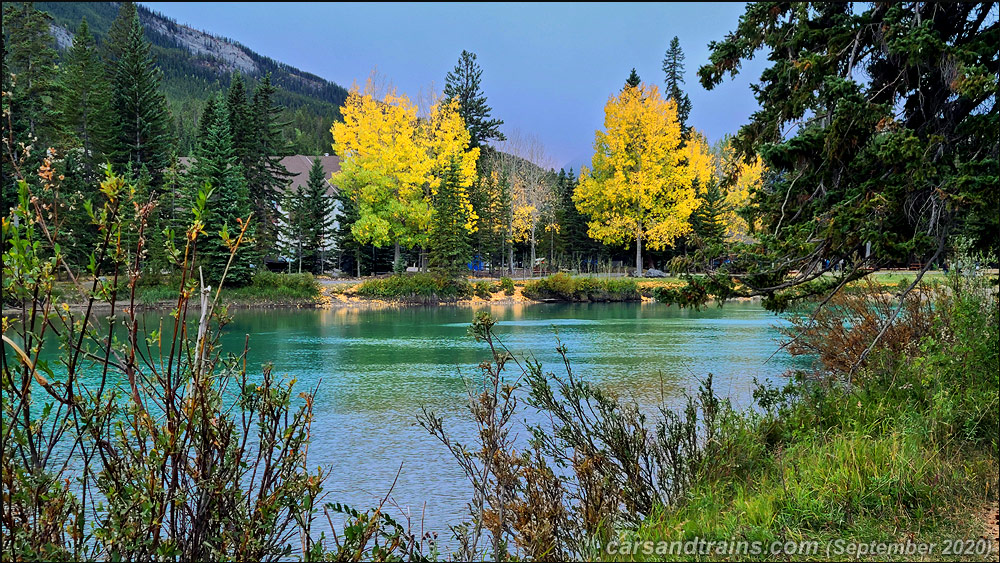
x=548 y=69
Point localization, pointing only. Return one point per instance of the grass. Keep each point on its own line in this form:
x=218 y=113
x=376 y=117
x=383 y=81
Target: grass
x=909 y=451
x=562 y=287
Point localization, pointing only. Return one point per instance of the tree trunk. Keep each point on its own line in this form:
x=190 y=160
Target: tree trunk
x=395 y=258
x=510 y=258
x=638 y=253
x=532 y=265
x=552 y=248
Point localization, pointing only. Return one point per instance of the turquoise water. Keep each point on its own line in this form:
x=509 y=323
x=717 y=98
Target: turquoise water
x=375 y=369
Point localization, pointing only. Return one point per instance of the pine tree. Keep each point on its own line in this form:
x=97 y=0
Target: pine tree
x=317 y=215
x=673 y=68
x=464 y=83
x=216 y=165
x=449 y=241
x=633 y=80
x=141 y=122
x=85 y=100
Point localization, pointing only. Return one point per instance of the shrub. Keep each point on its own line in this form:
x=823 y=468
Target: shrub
x=422 y=288
x=301 y=283
x=507 y=285
x=562 y=287
x=483 y=289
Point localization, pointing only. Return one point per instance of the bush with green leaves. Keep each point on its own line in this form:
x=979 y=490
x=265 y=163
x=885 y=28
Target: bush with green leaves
x=417 y=288
x=507 y=285
x=176 y=451
x=563 y=287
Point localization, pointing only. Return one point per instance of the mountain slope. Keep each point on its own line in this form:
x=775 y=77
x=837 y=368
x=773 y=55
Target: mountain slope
x=197 y=64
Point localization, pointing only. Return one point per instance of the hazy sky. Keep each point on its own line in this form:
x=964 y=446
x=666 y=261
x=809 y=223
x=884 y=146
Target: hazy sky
x=548 y=69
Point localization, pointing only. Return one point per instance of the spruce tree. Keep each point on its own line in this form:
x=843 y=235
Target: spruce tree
x=291 y=229
x=207 y=116
x=572 y=224
x=240 y=121
x=633 y=80
x=318 y=216
x=673 y=68
x=708 y=221
x=216 y=164
x=266 y=176
x=116 y=41
x=85 y=100
x=449 y=241
x=30 y=76
x=139 y=109
x=464 y=83
x=353 y=258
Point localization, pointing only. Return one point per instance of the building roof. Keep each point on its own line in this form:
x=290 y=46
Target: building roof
x=298 y=166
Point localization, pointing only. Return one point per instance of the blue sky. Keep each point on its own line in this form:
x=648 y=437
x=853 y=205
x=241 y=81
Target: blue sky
x=548 y=69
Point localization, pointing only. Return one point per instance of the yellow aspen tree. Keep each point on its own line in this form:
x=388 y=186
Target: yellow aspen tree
x=740 y=179
x=445 y=138
x=384 y=168
x=640 y=187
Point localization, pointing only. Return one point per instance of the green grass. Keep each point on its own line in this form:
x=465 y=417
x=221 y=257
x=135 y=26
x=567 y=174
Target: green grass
x=908 y=452
x=562 y=287
x=420 y=288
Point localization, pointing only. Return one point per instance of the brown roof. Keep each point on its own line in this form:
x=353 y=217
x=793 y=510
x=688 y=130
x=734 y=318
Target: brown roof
x=298 y=166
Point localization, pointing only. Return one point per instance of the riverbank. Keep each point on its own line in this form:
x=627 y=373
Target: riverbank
x=904 y=450
x=304 y=291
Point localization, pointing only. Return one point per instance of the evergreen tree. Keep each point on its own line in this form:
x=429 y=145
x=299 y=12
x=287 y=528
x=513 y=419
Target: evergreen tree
x=708 y=221
x=116 y=41
x=240 y=121
x=633 y=80
x=464 y=83
x=317 y=214
x=353 y=258
x=449 y=241
x=85 y=100
x=207 y=116
x=30 y=92
x=879 y=129
x=291 y=229
x=266 y=176
x=141 y=122
x=572 y=225
x=673 y=68
x=216 y=165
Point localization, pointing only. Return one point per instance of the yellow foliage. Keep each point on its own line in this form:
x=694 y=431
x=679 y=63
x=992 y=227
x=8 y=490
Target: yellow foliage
x=392 y=164
x=740 y=180
x=641 y=185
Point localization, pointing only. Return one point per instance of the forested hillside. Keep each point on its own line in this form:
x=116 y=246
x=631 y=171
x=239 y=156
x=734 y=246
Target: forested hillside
x=196 y=65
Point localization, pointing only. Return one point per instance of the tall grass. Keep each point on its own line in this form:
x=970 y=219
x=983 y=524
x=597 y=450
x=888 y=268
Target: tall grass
x=909 y=449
